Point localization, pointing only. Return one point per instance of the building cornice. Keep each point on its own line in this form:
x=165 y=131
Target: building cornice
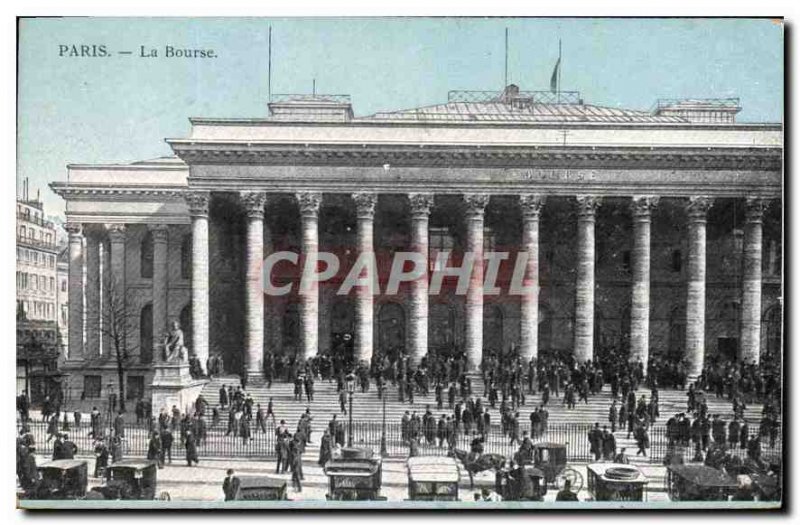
x=128 y=193
x=477 y=156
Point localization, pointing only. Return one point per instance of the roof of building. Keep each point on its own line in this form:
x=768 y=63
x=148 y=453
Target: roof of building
x=503 y=111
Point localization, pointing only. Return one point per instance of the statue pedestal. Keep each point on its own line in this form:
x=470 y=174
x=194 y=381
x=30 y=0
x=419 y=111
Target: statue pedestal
x=174 y=385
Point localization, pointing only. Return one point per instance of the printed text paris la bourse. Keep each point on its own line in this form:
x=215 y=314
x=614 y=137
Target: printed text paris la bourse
x=165 y=51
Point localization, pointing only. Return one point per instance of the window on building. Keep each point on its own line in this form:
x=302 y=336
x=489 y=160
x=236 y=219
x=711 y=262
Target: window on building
x=626 y=260
x=440 y=240
x=134 y=386
x=52 y=284
x=22 y=231
x=63 y=286
x=92 y=386
x=186 y=257
x=146 y=257
x=677 y=261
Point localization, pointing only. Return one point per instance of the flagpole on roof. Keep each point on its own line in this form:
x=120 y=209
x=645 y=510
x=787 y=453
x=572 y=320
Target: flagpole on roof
x=559 y=71
x=505 y=78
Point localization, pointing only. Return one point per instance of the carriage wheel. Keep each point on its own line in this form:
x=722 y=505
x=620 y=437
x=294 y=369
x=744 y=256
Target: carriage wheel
x=575 y=479
x=164 y=496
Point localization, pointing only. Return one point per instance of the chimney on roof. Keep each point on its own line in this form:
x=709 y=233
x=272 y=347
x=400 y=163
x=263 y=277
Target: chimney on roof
x=310 y=108
x=510 y=92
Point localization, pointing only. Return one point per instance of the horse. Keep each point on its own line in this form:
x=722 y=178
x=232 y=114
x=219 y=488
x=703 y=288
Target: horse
x=478 y=464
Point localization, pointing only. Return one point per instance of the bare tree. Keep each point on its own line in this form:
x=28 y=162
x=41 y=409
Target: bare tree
x=118 y=322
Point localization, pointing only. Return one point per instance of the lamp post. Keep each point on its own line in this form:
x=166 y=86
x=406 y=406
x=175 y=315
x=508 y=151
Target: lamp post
x=383 y=428
x=351 y=386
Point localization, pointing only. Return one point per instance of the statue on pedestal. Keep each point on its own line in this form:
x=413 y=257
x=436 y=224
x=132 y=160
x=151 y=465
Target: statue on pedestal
x=173 y=345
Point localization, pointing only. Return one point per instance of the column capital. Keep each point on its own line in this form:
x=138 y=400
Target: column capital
x=531 y=205
x=254 y=202
x=476 y=203
x=198 y=202
x=365 y=204
x=116 y=232
x=642 y=206
x=421 y=204
x=160 y=232
x=309 y=203
x=754 y=208
x=74 y=229
x=587 y=206
x=697 y=207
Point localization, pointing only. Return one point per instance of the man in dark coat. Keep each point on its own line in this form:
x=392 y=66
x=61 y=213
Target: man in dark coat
x=166 y=446
x=609 y=444
x=595 y=437
x=325 y=447
x=119 y=425
x=101 y=457
x=230 y=486
x=191 y=449
x=223 y=396
x=154 y=449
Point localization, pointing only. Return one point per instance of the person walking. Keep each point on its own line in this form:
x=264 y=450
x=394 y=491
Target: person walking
x=166 y=446
x=191 y=449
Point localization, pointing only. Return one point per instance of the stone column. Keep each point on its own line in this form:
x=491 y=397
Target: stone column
x=254 y=336
x=476 y=204
x=641 y=208
x=697 y=210
x=117 y=312
x=584 y=286
x=750 y=339
x=93 y=247
x=75 y=296
x=531 y=206
x=198 y=202
x=365 y=215
x=421 y=204
x=160 y=233
x=309 y=296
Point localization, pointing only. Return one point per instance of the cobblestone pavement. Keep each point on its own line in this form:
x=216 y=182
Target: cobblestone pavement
x=204 y=482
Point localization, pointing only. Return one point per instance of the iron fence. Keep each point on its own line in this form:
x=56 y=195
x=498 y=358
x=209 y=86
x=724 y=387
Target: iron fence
x=219 y=442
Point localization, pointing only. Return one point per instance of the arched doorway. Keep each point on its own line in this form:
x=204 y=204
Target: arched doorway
x=146 y=334
x=343 y=316
x=545 y=340
x=391 y=329
x=185 y=320
x=493 y=329
x=677 y=333
x=772 y=326
x=441 y=328
x=292 y=336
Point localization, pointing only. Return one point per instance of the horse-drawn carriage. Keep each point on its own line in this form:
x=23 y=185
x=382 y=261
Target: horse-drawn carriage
x=616 y=482
x=354 y=475
x=551 y=459
x=432 y=478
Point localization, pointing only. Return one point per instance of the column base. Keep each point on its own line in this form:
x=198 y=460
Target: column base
x=174 y=385
x=253 y=379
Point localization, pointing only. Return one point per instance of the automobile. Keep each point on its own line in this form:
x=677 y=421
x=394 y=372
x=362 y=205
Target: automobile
x=616 y=482
x=61 y=479
x=260 y=488
x=551 y=459
x=699 y=483
x=354 y=475
x=432 y=478
x=130 y=479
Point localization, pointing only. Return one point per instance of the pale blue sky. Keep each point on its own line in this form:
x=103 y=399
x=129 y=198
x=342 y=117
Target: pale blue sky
x=120 y=108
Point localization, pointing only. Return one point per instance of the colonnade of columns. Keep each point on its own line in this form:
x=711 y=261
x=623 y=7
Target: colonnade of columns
x=420 y=204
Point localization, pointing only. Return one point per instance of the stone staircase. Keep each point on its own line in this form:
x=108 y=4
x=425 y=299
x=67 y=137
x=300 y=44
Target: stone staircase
x=368 y=407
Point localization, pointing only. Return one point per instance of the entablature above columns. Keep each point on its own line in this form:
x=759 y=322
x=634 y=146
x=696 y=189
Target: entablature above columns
x=495 y=181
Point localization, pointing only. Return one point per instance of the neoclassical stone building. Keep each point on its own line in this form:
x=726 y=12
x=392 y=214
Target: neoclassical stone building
x=654 y=231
